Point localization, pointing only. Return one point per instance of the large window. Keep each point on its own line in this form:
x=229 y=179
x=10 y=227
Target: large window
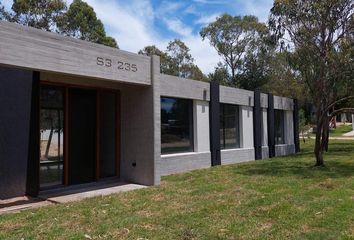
x=51 y=142
x=176 y=125
x=279 y=126
x=229 y=126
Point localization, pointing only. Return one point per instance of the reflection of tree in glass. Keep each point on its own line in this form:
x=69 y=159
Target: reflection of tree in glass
x=50 y=120
x=179 y=113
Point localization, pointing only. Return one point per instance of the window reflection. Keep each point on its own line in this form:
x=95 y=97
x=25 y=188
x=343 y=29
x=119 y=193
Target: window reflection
x=229 y=126
x=176 y=125
x=279 y=126
x=51 y=141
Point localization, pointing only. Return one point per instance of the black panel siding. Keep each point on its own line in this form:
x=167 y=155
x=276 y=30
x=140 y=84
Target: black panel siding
x=296 y=126
x=15 y=115
x=32 y=188
x=271 y=127
x=215 y=124
x=82 y=135
x=257 y=125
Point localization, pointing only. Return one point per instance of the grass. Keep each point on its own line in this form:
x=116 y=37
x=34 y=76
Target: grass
x=340 y=130
x=281 y=198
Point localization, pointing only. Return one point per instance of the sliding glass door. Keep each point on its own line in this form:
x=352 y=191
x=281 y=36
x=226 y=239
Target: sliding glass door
x=52 y=139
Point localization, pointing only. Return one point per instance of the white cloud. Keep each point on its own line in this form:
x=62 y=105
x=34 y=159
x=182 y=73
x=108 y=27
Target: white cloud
x=205 y=55
x=258 y=8
x=203 y=20
x=7 y=3
x=210 y=1
x=178 y=27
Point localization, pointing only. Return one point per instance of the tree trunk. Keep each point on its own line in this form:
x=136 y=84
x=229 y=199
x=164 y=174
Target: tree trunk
x=318 y=142
x=49 y=142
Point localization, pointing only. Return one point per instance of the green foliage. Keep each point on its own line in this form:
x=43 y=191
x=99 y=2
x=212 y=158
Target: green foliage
x=283 y=79
x=176 y=60
x=220 y=75
x=42 y=14
x=80 y=21
x=242 y=43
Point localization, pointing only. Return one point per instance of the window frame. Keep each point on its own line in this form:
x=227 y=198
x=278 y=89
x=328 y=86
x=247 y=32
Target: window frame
x=223 y=145
x=191 y=127
x=280 y=124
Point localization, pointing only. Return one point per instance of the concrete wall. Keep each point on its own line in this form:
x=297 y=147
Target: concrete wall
x=201 y=126
x=265 y=127
x=284 y=149
x=35 y=49
x=232 y=156
x=183 y=162
x=246 y=127
x=184 y=88
x=141 y=142
x=282 y=103
x=15 y=114
x=236 y=96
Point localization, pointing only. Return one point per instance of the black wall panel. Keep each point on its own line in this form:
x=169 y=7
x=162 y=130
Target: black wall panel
x=34 y=139
x=296 y=126
x=271 y=127
x=257 y=125
x=215 y=124
x=15 y=116
x=108 y=135
x=82 y=135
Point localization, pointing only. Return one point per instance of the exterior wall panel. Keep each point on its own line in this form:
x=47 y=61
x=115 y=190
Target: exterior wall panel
x=15 y=112
x=178 y=163
x=246 y=127
x=172 y=86
x=201 y=126
x=232 y=156
x=236 y=96
x=284 y=149
x=32 y=48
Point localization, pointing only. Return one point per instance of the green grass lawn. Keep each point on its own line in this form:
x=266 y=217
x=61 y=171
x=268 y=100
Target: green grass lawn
x=340 y=130
x=282 y=198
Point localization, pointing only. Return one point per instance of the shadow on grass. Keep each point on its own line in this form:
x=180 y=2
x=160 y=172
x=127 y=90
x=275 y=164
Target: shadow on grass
x=339 y=163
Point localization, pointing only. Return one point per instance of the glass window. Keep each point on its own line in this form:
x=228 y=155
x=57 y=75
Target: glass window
x=229 y=126
x=279 y=126
x=176 y=125
x=51 y=142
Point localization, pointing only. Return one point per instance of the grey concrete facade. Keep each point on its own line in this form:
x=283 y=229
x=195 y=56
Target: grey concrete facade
x=141 y=91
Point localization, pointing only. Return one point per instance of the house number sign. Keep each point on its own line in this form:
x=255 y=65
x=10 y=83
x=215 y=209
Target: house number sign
x=123 y=66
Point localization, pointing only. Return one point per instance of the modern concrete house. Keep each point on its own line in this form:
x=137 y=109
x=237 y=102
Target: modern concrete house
x=74 y=112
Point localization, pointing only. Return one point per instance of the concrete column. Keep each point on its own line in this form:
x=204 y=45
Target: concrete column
x=201 y=126
x=155 y=79
x=246 y=126
x=265 y=128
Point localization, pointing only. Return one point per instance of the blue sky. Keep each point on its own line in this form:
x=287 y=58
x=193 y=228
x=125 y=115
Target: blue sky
x=137 y=23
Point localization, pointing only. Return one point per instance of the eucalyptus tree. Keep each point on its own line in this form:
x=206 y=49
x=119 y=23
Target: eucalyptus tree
x=176 y=60
x=153 y=50
x=42 y=14
x=321 y=36
x=234 y=37
x=80 y=21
